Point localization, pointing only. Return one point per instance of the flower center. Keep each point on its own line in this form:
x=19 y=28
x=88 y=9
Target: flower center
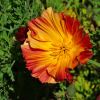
x=58 y=50
x=63 y=49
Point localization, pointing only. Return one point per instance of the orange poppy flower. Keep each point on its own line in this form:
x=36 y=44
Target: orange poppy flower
x=55 y=44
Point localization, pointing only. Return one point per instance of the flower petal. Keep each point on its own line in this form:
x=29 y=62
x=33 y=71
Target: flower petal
x=74 y=63
x=86 y=42
x=37 y=44
x=85 y=56
x=72 y=24
x=50 y=26
x=35 y=62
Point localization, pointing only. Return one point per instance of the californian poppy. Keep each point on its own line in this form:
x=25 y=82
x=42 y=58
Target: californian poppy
x=55 y=43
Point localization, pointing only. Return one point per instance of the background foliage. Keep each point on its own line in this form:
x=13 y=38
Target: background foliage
x=16 y=82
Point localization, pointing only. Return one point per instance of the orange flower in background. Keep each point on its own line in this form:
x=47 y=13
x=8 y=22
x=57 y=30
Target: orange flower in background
x=55 y=44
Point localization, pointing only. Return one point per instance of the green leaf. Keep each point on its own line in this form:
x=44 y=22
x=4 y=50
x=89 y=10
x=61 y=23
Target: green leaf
x=71 y=90
x=94 y=63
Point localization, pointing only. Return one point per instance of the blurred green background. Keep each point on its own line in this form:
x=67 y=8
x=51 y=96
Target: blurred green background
x=16 y=82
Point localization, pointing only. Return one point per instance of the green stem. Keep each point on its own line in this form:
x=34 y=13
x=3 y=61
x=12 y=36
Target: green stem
x=94 y=63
